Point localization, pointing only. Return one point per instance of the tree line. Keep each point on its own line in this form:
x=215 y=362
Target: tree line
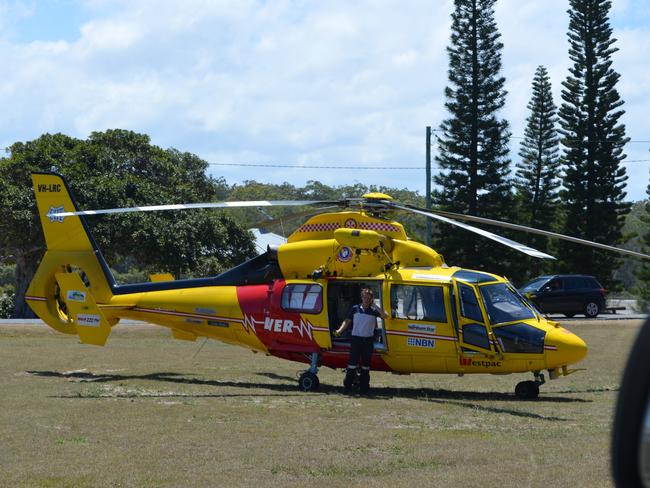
x=569 y=177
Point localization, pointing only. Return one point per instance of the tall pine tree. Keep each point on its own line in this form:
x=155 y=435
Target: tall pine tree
x=593 y=141
x=473 y=141
x=537 y=180
x=643 y=275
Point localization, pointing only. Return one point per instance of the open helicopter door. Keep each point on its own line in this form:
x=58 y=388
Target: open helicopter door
x=473 y=330
x=341 y=296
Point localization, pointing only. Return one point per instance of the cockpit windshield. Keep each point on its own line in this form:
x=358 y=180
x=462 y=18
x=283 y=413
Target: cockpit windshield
x=503 y=305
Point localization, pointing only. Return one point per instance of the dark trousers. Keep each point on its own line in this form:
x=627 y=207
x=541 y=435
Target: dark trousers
x=361 y=349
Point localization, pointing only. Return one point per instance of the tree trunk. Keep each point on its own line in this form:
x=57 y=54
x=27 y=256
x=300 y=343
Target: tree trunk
x=26 y=265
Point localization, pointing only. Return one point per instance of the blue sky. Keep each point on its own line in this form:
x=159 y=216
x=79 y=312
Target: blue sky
x=284 y=82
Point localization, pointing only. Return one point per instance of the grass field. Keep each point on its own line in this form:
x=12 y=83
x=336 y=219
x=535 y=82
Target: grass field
x=149 y=411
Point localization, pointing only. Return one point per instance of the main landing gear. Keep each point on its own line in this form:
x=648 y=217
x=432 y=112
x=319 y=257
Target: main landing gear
x=529 y=390
x=308 y=380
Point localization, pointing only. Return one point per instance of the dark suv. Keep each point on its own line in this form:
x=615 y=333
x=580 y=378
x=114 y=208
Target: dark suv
x=567 y=294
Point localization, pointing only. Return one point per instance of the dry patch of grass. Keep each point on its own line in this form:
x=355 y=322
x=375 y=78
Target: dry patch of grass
x=146 y=411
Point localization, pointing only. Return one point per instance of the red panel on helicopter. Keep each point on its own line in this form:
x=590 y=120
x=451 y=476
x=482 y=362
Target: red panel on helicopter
x=277 y=328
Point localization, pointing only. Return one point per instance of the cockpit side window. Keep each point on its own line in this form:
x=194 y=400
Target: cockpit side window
x=469 y=307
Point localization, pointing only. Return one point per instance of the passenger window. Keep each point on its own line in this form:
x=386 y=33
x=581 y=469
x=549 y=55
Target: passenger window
x=587 y=283
x=476 y=335
x=469 y=307
x=418 y=303
x=302 y=298
x=573 y=283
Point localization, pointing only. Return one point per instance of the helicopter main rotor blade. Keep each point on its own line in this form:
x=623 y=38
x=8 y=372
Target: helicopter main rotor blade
x=533 y=230
x=185 y=206
x=286 y=218
x=501 y=240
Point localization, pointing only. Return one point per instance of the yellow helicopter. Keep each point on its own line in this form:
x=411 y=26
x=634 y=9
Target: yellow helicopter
x=289 y=301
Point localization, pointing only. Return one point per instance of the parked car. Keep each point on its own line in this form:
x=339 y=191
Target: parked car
x=567 y=294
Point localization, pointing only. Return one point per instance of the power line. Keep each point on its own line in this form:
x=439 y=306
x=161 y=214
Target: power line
x=311 y=166
x=355 y=166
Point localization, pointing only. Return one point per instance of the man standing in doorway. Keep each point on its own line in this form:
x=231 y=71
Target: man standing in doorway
x=363 y=318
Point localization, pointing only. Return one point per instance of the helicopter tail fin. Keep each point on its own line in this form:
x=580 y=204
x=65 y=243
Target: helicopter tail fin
x=72 y=278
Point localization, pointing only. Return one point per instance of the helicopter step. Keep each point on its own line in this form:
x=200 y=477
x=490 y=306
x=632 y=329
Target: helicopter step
x=529 y=390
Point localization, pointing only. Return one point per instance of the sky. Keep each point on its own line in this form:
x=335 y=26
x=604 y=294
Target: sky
x=286 y=82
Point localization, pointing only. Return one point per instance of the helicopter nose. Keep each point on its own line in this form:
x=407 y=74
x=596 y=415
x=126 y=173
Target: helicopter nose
x=564 y=347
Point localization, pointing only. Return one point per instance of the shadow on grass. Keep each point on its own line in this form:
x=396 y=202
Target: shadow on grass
x=166 y=377
x=273 y=376
x=464 y=399
x=605 y=389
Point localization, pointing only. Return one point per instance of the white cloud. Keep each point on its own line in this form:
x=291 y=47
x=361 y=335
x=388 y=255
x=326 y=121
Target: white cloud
x=11 y=13
x=287 y=82
x=109 y=36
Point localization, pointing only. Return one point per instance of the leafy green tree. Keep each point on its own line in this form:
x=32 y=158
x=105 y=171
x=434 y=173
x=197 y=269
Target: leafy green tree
x=537 y=180
x=473 y=145
x=119 y=168
x=7 y=274
x=7 y=303
x=593 y=140
x=643 y=275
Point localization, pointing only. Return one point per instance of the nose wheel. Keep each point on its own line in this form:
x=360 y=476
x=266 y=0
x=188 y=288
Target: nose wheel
x=529 y=390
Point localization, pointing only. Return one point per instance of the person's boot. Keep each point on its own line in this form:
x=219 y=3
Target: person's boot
x=364 y=381
x=348 y=382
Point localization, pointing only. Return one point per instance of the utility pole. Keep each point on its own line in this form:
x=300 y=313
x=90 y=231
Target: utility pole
x=428 y=190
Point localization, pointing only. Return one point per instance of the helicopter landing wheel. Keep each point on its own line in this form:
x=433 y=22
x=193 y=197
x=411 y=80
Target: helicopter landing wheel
x=527 y=390
x=308 y=381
